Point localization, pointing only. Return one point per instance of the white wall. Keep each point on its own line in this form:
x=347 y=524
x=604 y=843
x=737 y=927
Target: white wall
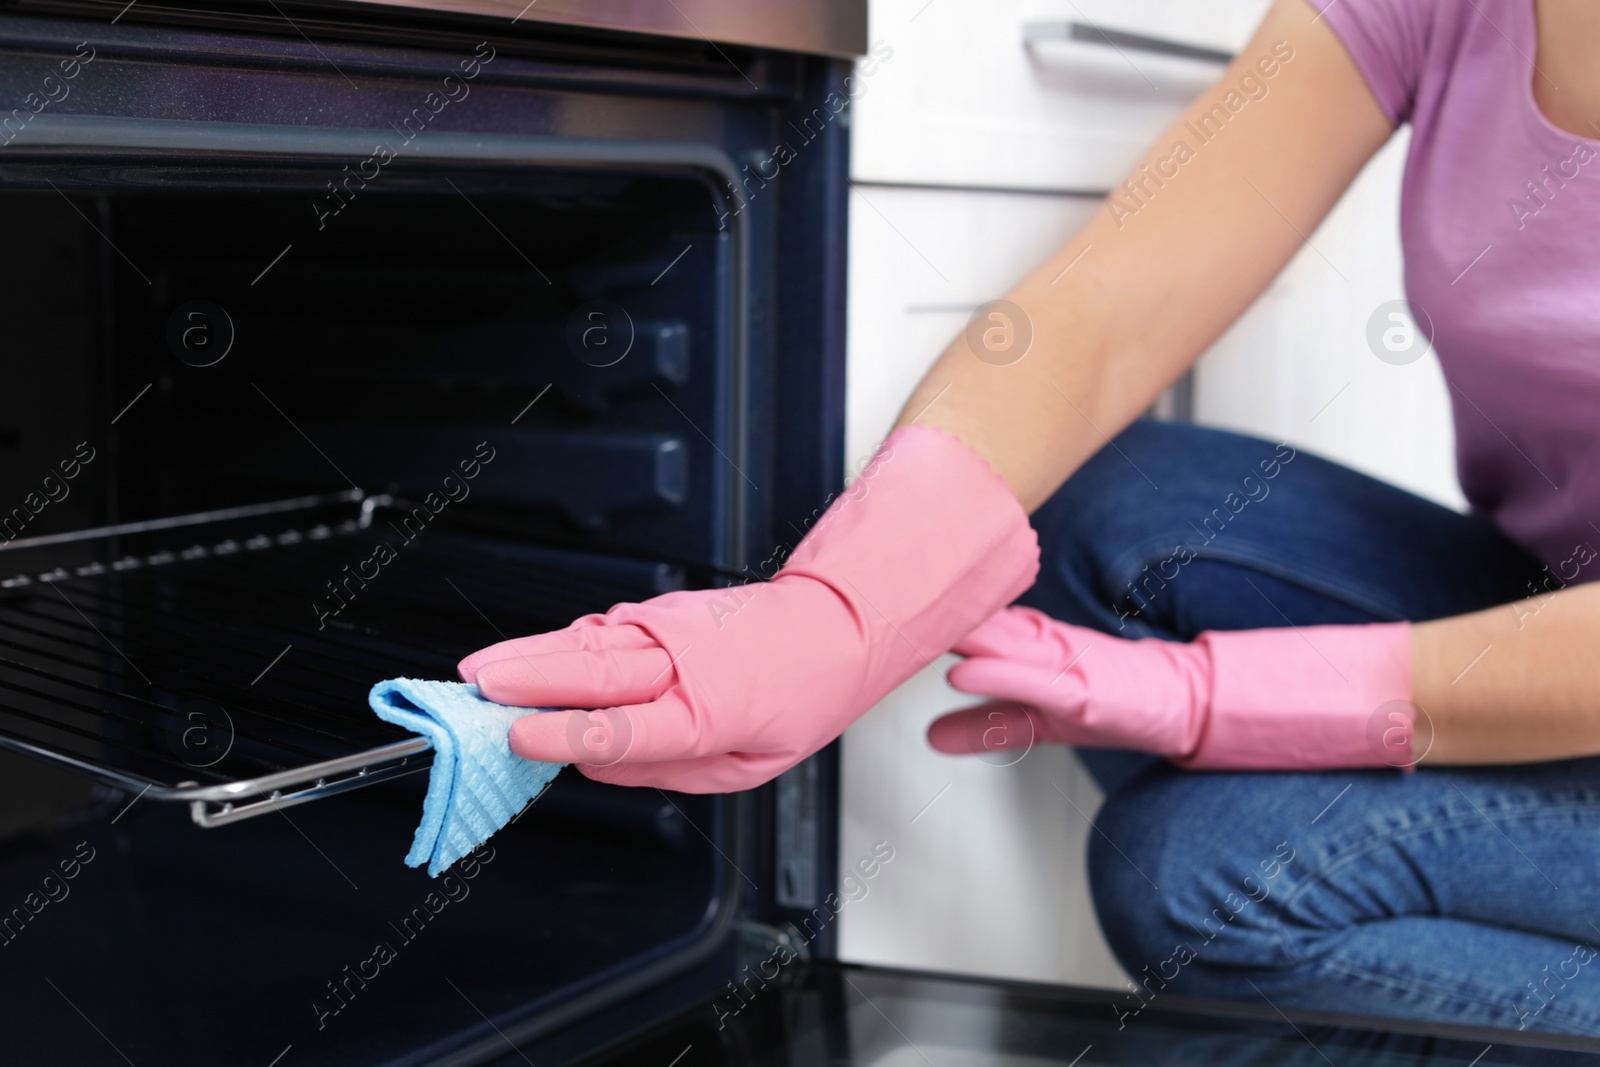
x=988 y=876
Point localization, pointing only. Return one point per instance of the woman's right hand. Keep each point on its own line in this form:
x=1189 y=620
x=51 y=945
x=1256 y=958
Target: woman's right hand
x=722 y=689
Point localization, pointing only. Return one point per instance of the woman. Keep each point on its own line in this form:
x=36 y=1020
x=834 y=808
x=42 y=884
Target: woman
x=1291 y=669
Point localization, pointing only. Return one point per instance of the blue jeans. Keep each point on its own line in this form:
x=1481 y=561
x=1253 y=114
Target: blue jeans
x=1463 y=895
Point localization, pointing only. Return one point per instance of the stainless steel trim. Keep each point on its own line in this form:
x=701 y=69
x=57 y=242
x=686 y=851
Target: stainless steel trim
x=825 y=27
x=1134 y=42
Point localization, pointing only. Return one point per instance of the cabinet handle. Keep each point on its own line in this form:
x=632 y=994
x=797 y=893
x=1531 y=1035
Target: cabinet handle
x=1137 y=42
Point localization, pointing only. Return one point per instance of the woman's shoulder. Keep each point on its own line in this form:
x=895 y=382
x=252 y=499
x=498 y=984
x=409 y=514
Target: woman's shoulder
x=1399 y=45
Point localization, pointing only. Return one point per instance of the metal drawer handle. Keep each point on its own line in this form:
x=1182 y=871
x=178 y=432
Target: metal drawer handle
x=1033 y=32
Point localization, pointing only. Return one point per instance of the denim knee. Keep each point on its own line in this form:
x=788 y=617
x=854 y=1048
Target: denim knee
x=1117 y=536
x=1095 y=532
x=1125 y=875
x=1187 y=909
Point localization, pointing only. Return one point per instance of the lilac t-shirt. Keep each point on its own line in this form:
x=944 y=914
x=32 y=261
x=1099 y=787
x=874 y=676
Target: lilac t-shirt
x=1499 y=221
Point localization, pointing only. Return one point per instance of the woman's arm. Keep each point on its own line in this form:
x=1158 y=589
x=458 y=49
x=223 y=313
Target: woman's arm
x=1162 y=275
x=1513 y=684
x=1133 y=299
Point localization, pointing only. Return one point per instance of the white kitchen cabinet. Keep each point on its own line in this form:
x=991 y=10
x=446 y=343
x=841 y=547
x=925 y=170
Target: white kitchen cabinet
x=966 y=101
x=988 y=875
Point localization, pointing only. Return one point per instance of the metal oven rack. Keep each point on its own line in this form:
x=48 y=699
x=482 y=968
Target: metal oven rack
x=223 y=659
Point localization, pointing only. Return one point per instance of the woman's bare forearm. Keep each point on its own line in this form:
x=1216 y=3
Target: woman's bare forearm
x=1513 y=684
x=1169 y=261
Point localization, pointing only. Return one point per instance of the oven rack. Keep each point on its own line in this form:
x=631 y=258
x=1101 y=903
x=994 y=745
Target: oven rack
x=183 y=660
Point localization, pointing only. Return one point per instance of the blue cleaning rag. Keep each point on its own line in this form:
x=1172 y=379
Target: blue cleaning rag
x=477 y=784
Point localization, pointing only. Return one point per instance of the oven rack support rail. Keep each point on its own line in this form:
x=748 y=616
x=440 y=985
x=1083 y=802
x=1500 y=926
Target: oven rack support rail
x=230 y=802
x=219 y=805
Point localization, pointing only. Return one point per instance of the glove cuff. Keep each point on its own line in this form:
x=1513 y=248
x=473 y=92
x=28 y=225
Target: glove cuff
x=927 y=543
x=1308 y=698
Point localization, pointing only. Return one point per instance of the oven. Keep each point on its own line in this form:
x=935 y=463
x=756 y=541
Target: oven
x=342 y=341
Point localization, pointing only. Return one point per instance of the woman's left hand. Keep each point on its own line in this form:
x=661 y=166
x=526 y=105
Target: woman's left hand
x=1292 y=698
x=1063 y=684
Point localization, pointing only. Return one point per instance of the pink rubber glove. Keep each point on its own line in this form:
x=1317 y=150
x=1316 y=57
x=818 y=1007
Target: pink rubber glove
x=1296 y=698
x=722 y=689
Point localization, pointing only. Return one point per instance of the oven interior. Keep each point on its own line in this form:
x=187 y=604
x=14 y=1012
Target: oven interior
x=525 y=385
